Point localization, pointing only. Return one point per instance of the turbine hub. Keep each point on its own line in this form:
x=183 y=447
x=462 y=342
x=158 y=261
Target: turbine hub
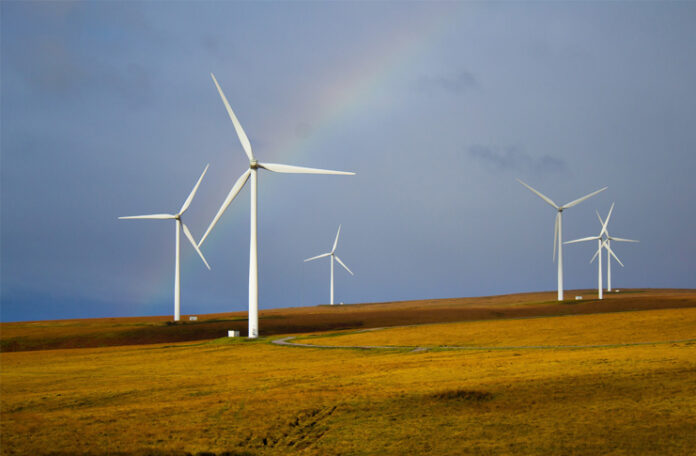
x=253 y=164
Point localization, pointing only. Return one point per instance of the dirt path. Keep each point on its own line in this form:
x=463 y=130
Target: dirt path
x=287 y=341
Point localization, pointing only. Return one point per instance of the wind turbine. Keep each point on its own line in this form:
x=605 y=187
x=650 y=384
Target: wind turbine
x=610 y=253
x=557 y=230
x=252 y=172
x=179 y=225
x=333 y=256
x=600 y=244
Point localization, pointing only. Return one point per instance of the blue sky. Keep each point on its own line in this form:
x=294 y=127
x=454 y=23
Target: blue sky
x=108 y=109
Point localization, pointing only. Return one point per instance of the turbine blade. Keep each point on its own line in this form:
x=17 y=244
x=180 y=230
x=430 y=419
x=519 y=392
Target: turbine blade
x=606 y=221
x=611 y=252
x=555 y=235
x=193 y=192
x=230 y=196
x=336 y=241
x=237 y=126
x=590 y=238
x=278 y=168
x=594 y=256
x=622 y=239
x=341 y=263
x=601 y=222
x=151 y=216
x=541 y=195
x=193 y=243
x=580 y=200
x=318 y=256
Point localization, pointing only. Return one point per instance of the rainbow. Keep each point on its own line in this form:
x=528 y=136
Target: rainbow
x=344 y=95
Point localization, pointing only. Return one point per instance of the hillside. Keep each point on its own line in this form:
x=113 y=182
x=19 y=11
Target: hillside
x=82 y=333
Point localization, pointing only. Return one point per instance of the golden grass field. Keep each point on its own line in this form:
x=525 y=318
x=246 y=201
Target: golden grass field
x=578 y=330
x=226 y=396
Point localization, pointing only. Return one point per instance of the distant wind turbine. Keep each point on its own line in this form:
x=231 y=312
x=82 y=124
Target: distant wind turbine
x=179 y=225
x=600 y=244
x=333 y=256
x=254 y=166
x=558 y=229
x=610 y=253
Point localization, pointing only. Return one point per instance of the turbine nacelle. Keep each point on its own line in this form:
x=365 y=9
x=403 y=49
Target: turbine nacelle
x=606 y=231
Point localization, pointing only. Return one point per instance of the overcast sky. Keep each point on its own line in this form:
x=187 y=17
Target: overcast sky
x=108 y=109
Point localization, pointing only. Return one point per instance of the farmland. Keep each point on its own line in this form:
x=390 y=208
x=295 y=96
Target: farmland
x=635 y=394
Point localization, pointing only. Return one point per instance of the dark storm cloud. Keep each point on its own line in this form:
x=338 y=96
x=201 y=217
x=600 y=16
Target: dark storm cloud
x=516 y=159
x=217 y=47
x=457 y=83
x=59 y=62
x=51 y=68
x=211 y=43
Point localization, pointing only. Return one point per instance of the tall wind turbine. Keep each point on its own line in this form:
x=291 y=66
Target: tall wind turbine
x=179 y=226
x=610 y=253
x=333 y=256
x=600 y=244
x=558 y=229
x=252 y=172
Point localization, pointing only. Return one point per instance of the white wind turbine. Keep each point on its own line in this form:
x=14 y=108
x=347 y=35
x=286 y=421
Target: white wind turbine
x=333 y=256
x=600 y=244
x=252 y=172
x=558 y=231
x=179 y=226
x=610 y=253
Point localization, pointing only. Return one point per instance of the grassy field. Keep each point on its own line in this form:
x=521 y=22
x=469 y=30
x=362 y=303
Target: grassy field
x=578 y=330
x=252 y=397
